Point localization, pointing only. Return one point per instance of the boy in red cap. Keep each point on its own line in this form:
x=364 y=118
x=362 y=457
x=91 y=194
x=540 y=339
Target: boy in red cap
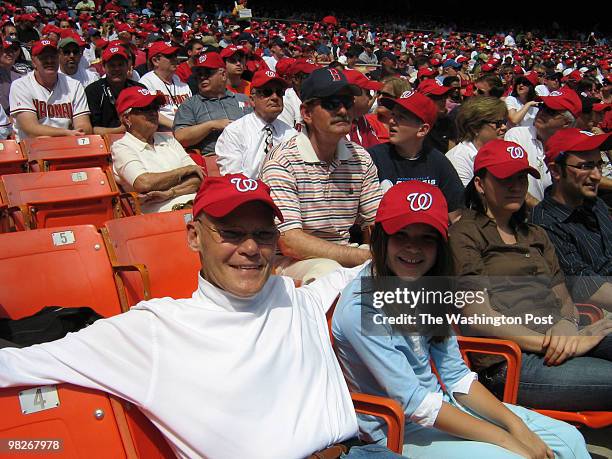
x=245 y=344
x=576 y=220
x=406 y=157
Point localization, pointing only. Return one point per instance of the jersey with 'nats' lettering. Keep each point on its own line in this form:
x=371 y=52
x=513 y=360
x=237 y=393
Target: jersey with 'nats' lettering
x=175 y=93
x=57 y=107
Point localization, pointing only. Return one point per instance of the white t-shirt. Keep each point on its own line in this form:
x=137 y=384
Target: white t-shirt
x=175 y=93
x=57 y=108
x=529 y=118
x=133 y=157
x=220 y=376
x=291 y=112
x=271 y=62
x=526 y=138
x=240 y=148
x=462 y=158
x=542 y=90
x=83 y=75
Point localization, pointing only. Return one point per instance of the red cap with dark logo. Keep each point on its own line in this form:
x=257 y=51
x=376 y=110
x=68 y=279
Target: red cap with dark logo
x=413 y=202
x=573 y=140
x=416 y=103
x=503 y=159
x=219 y=196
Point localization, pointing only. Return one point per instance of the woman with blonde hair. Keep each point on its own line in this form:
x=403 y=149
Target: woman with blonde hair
x=479 y=120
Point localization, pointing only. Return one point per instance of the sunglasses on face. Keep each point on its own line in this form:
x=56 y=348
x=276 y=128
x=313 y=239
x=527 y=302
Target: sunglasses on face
x=205 y=74
x=497 y=123
x=68 y=52
x=333 y=103
x=267 y=92
x=148 y=109
x=234 y=60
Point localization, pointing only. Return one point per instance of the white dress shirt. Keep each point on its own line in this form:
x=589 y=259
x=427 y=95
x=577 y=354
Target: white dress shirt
x=526 y=138
x=241 y=146
x=291 y=112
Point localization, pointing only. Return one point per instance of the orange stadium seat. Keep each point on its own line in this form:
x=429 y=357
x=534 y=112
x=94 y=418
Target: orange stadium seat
x=512 y=353
x=71 y=152
x=159 y=241
x=212 y=168
x=12 y=160
x=63 y=197
x=88 y=423
x=66 y=267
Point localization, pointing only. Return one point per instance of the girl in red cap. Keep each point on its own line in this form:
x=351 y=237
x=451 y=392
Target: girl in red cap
x=382 y=355
x=563 y=366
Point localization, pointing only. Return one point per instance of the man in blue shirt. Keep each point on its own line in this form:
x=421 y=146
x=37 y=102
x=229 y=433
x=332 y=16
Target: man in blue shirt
x=576 y=220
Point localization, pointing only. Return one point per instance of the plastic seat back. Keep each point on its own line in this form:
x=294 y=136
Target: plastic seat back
x=84 y=422
x=71 y=152
x=64 y=197
x=56 y=267
x=159 y=241
x=12 y=160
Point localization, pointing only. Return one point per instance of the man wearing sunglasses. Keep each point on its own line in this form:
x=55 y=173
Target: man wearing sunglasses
x=243 y=145
x=559 y=110
x=297 y=71
x=153 y=164
x=576 y=220
x=70 y=54
x=201 y=119
x=323 y=183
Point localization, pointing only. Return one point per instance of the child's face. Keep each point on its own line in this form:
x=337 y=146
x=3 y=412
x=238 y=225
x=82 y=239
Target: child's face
x=412 y=251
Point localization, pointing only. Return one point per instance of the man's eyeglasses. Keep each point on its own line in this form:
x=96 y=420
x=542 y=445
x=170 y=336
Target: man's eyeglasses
x=333 y=103
x=549 y=111
x=497 y=123
x=386 y=94
x=235 y=236
x=588 y=165
x=267 y=92
x=234 y=60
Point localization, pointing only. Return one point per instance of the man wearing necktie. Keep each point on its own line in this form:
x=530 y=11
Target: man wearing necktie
x=244 y=144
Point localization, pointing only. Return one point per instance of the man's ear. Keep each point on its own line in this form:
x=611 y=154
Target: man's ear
x=423 y=130
x=555 y=171
x=193 y=237
x=306 y=112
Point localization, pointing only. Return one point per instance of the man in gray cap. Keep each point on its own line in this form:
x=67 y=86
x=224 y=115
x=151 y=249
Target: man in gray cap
x=322 y=182
x=70 y=54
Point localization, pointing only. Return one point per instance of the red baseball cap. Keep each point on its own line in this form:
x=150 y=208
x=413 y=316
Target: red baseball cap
x=573 y=140
x=602 y=107
x=426 y=72
x=487 y=68
x=41 y=45
x=218 y=196
x=416 y=103
x=532 y=77
x=303 y=66
x=283 y=66
x=263 y=77
x=503 y=159
x=230 y=50
x=564 y=99
x=355 y=77
x=518 y=70
x=112 y=51
x=161 y=47
x=413 y=202
x=209 y=60
x=432 y=87
x=136 y=97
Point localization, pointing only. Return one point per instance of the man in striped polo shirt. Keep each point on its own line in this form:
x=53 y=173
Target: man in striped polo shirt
x=323 y=183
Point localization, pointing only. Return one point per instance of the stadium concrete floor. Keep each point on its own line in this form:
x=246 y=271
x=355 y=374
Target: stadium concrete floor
x=599 y=442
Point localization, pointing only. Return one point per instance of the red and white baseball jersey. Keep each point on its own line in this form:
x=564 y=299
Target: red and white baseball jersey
x=175 y=93
x=56 y=108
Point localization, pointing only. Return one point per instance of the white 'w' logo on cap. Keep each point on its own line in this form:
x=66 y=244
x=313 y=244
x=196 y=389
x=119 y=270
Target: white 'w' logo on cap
x=419 y=201
x=516 y=152
x=244 y=185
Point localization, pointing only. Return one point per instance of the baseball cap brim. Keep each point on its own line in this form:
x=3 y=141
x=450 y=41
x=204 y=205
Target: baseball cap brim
x=509 y=168
x=145 y=101
x=395 y=224
x=592 y=142
x=222 y=207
